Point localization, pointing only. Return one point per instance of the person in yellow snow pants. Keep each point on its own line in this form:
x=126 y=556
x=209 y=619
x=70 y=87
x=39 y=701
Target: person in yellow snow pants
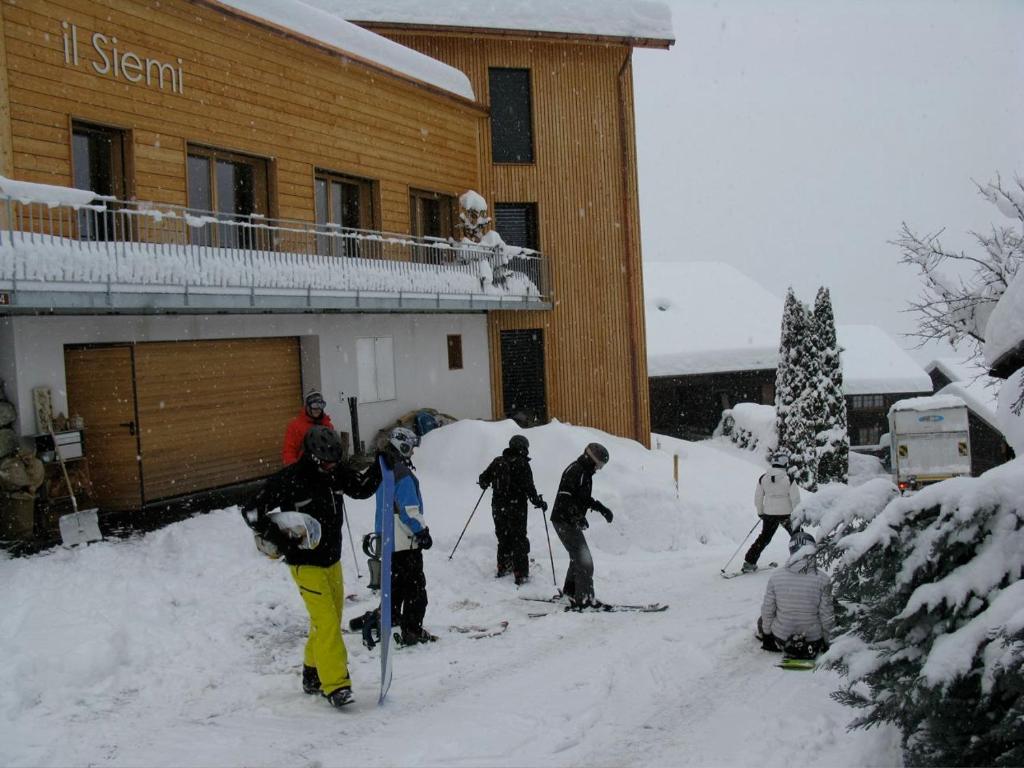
x=323 y=592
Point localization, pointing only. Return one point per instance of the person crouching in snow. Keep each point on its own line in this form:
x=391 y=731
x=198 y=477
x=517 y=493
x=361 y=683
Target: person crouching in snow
x=511 y=480
x=797 y=615
x=408 y=582
x=569 y=518
x=775 y=499
x=312 y=415
x=312 y=486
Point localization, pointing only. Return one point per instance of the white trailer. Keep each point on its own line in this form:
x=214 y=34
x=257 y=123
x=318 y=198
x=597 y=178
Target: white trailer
x=930 y=440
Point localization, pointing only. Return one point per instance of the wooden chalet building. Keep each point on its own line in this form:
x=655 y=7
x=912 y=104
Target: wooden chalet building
x=243 y=200
x=703 y=357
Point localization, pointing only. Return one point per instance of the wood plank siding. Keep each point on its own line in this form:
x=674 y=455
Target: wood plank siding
x=6 y=155
x=585 y=186
x=247 y=87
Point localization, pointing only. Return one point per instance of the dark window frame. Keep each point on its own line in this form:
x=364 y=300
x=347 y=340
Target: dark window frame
x=418 y=215
x=261 y=186
x=531 y=225
x=455 y=352
x=367 y=208
x=507 y=118
x=225 y=235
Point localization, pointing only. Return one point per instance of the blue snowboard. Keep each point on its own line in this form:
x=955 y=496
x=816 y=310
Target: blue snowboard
x=387 y=548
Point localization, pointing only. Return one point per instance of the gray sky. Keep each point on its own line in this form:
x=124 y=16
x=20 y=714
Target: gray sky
x=791 y=139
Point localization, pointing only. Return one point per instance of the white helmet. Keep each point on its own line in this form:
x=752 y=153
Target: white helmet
x=402 y=441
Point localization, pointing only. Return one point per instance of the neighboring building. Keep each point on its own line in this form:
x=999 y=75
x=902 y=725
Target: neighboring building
x=280 y=188
x=712 y=341
x=951 y=376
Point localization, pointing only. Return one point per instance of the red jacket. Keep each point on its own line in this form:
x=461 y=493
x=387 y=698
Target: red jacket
x=296 y=431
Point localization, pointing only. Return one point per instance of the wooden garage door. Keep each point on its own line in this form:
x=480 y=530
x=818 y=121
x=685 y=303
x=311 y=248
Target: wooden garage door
x=213 y=413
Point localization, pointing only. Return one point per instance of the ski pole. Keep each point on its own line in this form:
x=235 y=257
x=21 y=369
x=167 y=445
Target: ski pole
x=741 y=545
x=351 y=541
x=467 y=523
x=544 y=517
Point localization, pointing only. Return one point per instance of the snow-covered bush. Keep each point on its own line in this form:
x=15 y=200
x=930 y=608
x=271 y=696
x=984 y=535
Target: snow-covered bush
x=749 y=426
x=931 y=612
x=473 y=216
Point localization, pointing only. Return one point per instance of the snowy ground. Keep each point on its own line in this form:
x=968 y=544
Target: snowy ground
x=183 y=647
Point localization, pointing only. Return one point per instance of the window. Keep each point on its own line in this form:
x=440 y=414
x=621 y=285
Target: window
x=511 y=115
x=231 y=186
x=869 y=435
x=375 y=361
x=517 y=224
x=863 y=402
x=455 y=352
x=431 y=214
x=98 y=164
x=345 y=202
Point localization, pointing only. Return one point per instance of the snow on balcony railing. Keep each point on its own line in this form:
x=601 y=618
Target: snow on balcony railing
x=69 y=244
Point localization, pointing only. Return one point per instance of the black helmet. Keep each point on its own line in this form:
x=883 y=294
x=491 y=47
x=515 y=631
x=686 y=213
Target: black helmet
x=519 y=444
x=799 y=540
x=402 y=441
x=597 y=454
x=322 y=444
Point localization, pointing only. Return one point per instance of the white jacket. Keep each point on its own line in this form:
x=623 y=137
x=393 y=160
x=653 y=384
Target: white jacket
x=776 y=494
x=798 y=600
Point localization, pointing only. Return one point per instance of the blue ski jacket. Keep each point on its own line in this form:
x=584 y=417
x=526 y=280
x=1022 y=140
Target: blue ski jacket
x=406 y=504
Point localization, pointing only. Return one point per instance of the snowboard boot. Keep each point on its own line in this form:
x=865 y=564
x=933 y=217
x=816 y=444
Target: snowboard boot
x=414 y=636
x=310 y=680
x=748 y=567
x=340 y=697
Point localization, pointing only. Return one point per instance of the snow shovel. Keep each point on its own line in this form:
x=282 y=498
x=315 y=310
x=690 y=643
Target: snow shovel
x=81 y=526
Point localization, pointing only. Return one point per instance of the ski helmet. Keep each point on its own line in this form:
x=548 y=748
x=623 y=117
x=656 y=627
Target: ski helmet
x=402 y=441
x=519 y=444
x=597 y=453
x=314 y=400
x=799 y=540
x=780 y=460
x=322 y=444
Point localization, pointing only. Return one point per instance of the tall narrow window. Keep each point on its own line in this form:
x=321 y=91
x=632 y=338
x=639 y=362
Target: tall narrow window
x=232 y=186
x=511 y=115
x=375 y=368
x=346 y=203
x=98 y=164
x=517 y=224
x=455 y=352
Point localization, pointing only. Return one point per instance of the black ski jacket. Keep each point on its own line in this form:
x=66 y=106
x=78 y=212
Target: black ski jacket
x=511 y=481
x=302 y=487
x=574 y=494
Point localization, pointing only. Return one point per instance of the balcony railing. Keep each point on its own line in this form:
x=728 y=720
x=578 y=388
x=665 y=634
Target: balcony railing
x=113 y=255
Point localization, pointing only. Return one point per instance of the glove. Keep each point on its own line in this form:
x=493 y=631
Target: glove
x=584 y=524
x=482 y=483
x=423 y=540
x=541 y=504
x=607 y=514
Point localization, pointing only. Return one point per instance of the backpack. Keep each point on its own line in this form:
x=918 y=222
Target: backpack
x=502 y=476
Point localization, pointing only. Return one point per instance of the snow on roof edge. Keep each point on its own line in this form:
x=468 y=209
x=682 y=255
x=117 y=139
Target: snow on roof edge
x=360 y=44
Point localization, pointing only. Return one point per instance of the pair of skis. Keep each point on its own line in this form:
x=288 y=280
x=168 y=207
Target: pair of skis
x=599 y=608
x=733 y=574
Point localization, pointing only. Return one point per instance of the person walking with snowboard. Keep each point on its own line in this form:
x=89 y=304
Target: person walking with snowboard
x=313 y=485
x=797 y=614
x=312 y=415
x=412 y=536
x=569 y=518
x=775 y=498
x=511 y=480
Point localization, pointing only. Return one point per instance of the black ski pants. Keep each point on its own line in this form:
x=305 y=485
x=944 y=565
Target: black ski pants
x=769 y=525
x=579 y=579
x=513 y=544
x=408 y=591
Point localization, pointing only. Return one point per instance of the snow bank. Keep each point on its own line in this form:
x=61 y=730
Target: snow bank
x=750 y=426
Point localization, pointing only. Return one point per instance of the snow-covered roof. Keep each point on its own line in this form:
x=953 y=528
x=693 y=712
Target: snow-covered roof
x=640 y=21
x=955 y=369
x=330 y=28
x=708 y=317
x=873 y=363
x=1005 y=330
x=971 y=382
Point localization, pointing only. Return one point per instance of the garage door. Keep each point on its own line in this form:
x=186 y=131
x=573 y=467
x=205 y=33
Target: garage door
x=213 y=413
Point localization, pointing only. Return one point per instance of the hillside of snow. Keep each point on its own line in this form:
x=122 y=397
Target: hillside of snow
x=183 y=646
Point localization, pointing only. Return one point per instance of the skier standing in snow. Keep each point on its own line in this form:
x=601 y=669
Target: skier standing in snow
x=569 y=518
x=797 y=615
x=775 y=498
x=408 y=583
x=511 y=480
x=312 y=415
x=312 y=486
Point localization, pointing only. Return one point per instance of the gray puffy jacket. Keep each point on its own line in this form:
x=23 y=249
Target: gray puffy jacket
x=798 y=600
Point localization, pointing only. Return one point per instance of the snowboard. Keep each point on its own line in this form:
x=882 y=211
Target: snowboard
x=798 y=664
x=479 y=631
x=734 y=574
x=387 y=548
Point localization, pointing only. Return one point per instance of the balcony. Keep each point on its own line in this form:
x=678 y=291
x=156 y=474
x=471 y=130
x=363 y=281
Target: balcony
x=64 y=253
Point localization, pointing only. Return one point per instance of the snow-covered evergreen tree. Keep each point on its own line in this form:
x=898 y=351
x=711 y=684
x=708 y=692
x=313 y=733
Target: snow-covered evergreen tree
x=931 y=612
x=832 y=438
x=793 y=421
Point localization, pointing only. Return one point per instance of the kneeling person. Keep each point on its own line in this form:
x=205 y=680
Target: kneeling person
x=797 y=615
